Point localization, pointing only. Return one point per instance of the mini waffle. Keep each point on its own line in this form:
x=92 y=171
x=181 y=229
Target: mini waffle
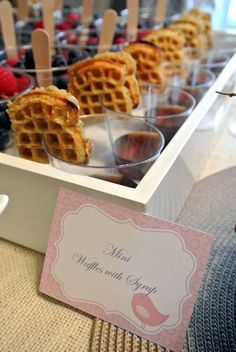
x=205 y=19
x=167 y=39
x=100 y=81
x=190 y=33
x=51 y=114
x=126 y=59
x=148 y=58
x=199 y=25
x=170 y=41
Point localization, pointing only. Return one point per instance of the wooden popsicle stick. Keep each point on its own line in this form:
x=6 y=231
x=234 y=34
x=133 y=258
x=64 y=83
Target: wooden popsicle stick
x=42 y=58
x=87 y=6
x=58 y=4
x=8 y=29
x=22 y=10
x=48 y=22
x=85 y=18
x=161 y=10
x=107 y=30
x=132 y=6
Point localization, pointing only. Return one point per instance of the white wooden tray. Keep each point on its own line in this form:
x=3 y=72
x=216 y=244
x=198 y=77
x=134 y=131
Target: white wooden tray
x=32 y=187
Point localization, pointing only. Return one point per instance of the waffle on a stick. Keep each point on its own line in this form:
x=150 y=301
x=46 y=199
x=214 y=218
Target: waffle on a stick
x=52 y=114
x=126 y=59
x=205 y=19
x=148 y=58
x=190 y=32
x=170 y=41
x=102 y=81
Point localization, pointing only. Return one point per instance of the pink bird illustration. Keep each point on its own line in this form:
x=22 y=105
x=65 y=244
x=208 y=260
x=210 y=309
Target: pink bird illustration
x=146 y=312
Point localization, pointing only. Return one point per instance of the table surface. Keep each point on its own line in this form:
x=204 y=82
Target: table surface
x=223 y=152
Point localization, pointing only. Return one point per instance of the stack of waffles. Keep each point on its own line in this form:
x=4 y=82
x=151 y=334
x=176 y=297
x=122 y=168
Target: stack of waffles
x=196 y=28
x=148 y=58
x=191 y=31
x=51 y=115
x=170 y=41
x=107 y=80
x=205 y=19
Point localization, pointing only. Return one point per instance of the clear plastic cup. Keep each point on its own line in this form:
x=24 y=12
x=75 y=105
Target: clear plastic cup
x=165 y=107
x=213 y=60
x=190 y=77
x=124 y=148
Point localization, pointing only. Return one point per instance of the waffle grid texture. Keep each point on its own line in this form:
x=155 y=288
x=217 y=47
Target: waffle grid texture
x=107 y=80
x=148 y=58
x=51 y=114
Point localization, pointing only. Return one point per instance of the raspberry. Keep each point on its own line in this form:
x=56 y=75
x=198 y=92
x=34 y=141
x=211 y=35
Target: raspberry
x=8 y=83
x=22 y=83
x=12 y=62
x=142 y=33
x=72 y=17
x=92 y=41
x=120 y=40
x=38 y=24
x=62 y=26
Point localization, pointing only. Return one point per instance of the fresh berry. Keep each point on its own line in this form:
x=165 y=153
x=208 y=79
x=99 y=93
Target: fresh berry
x=12 y=62
x=66 y=9
x=38 y=24
x=29 y=25
x=8 y=84
x=93 y=34
x=71 y=38
x=5 y=122
x=61 y=82
x=3 y=107
x=29 y=59
x=76 y=55
x=96 y=16
x=22 y=83
x=142 y=33
x=63 y=26
x=120 y=40
x=92 y=26
x=72 y=18
x=4 y=138
x=92 y=41
x=20 y=64
x=21 y=53
x=58 y=61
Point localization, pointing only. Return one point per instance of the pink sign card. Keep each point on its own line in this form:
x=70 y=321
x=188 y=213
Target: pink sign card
x=133 y=270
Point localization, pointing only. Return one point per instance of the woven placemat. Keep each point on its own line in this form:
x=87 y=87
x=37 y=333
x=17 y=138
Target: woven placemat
x=211 y=207
x=30 y=321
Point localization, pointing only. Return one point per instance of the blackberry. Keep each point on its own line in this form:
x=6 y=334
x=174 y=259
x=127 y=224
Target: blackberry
x=3 y=107
x=96 y=16
x=20 y=64
x=5 y=122
x=60 y=82
x=58 y=61
x=66 y=9
x=29 y=59
x=76 y=55
x=4 y=138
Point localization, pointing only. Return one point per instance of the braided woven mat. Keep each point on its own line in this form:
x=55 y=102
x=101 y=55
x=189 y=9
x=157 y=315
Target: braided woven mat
x=32 y=322
x=211 y=207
